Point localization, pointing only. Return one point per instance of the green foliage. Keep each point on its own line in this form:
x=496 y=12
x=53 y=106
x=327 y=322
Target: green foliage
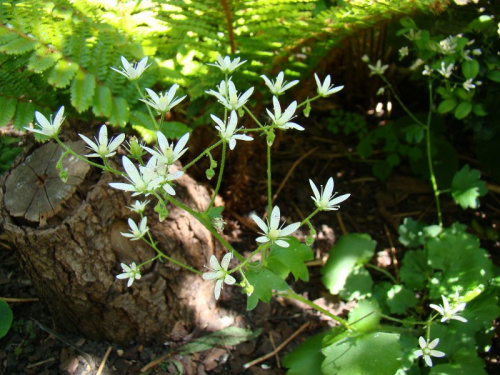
x=49 y=48
x=445 y=261
x=8 y=152
x=350 y=252
x=466 y=187
x=5 y=318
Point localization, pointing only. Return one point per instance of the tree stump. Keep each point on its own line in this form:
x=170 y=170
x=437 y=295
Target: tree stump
x=68 y=239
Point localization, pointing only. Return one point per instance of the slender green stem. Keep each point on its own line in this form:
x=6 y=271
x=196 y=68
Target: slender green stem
x=100 y=166
x=248 y=259
x=202 y=154
x=307 y=219
x=221 y=173
x=291 y=295
x=381 y=270
x=308 y=100
x=147 y=106
x=404 y=322
x=252 y=116
x=435 y=187
x=269 y=188
x=396 y=96
x=170 y=259
x=206 y=223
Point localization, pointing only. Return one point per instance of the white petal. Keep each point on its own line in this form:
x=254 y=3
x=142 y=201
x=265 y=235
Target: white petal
x=116 y=142
x=282 y=243
x=131 y=170
x=262 y=239
x=259 y=222
x=214 y=263
x=289 y=229
x=122 y=186
x=422 y=342
x=58 y=118
x=229 y=280
x=218 y=287
x=428 y=360
x=181 y=143
x=433 y=344
x=329 y=188
x=42 y=120
x=225 y=260
x=277 y=107
x=338 y=199
x=103 y=135
x=89 y=142
x=210 y=275
x=275 y=218
x=315 y=190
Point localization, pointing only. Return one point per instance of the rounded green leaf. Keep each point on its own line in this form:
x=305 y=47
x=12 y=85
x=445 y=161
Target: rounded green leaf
x=376 y=353
x=494 y=75
x=5 y=318
x=463 y=110
x=446 y=106
x=470 y=69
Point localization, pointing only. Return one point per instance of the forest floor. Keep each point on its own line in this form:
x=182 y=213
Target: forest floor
x=375 y=207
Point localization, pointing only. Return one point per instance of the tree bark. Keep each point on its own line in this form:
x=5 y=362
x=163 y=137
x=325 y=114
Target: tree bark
x=72 y=253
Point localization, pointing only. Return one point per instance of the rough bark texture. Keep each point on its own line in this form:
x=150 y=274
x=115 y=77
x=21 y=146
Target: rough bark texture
x=74 y=257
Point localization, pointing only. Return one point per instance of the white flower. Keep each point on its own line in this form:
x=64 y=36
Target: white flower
x=378 y=68
x=219 y=273
x=227 y=132
x=48 y=128
x=141 y=182
x=412 y=35
x=137 y=231
x=427 y=350
x=226 y=65
x=271 y=231
x=477 y=52
x=132 y=71
x=450 y=311
x=403 y=52
x=468 y=85
x=164 y=102
x=165 y=152
x=446 y=71
x=325 y=89
x=228 y=96
x=101 y=146
x=365 y=58
x=325 y=200
x=447 y=46
x=138 y=206
x=131 y=273
x=278 y=87
x=427 y=70
x=167 y=179
x=282 y=119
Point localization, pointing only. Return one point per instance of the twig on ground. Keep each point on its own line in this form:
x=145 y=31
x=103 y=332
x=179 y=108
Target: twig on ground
x=40 y=363
x=19 y=300
x=393 y=251
x=290 y=171
x=341 y=223
x=103 y=362
x=278 y=349
x=274 y=347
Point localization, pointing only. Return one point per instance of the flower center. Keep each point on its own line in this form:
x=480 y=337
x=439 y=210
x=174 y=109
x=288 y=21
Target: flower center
x=273 y=234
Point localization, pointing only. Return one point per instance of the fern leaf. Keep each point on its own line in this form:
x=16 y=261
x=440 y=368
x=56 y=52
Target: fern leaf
x=119 y=112
x=19 y=46
x=7 y=110
x=82 y=91
x=24 y=115
x=103 y=102
x=61 y=75
x=43 y=59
